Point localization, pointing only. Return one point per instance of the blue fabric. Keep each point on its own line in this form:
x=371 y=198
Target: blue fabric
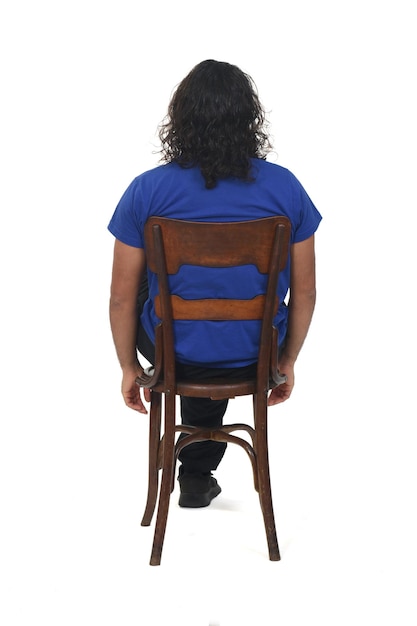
x=171 y=191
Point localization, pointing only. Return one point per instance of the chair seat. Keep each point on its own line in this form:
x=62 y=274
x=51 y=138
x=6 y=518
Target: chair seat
x=211 y=388
x=208 y=388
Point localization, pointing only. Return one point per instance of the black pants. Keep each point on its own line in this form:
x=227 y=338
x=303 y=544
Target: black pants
x=203 y=456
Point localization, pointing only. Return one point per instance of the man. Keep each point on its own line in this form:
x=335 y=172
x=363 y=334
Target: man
x=214 y=149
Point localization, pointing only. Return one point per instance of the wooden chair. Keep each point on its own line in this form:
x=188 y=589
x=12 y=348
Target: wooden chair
x=170 y=243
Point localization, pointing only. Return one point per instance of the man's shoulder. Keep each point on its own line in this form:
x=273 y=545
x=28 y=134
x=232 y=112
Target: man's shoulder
x=157 y=172
x=270 y=168
x=163 y=174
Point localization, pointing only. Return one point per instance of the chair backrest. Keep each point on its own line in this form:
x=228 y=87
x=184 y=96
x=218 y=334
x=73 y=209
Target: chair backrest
x=171 y=243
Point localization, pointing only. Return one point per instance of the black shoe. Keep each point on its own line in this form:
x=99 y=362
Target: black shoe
x=197 y=490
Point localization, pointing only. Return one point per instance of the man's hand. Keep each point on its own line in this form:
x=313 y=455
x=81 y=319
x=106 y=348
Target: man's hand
x=131 y=391
x=282 y=392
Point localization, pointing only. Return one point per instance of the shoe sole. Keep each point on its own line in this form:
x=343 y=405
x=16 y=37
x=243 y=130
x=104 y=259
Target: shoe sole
x=198 y=500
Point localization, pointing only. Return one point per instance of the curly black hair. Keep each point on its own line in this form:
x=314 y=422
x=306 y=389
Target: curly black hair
x=215 y=121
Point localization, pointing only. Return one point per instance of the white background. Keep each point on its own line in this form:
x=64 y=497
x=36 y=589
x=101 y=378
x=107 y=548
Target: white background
x=84 y=86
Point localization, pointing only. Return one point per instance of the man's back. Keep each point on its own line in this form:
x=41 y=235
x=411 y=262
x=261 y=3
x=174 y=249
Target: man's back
x=180 y=193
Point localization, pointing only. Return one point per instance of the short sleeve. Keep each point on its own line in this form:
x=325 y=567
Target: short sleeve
x=306 y=217
x=125 y=223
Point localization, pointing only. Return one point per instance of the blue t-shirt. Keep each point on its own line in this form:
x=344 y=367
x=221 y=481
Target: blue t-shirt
x=175 y=192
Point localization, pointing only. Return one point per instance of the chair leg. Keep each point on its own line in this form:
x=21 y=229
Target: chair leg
x=264 y=481
x=268 y=514
x=153 y=469
x=166 y=482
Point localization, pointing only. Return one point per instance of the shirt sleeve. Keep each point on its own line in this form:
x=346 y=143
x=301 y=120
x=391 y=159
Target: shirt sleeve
x=307 y=217
x=125 y=223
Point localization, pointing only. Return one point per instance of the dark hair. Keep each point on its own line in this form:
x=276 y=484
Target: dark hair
x=215 y=121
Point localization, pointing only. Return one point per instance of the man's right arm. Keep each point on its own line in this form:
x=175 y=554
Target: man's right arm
x=300 y=312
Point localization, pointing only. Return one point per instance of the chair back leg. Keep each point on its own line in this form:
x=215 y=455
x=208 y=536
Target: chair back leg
x=167 y=479
x=264 y=481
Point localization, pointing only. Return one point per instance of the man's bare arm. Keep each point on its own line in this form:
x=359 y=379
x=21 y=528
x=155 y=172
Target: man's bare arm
x=128 y=269
x=300 y=312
